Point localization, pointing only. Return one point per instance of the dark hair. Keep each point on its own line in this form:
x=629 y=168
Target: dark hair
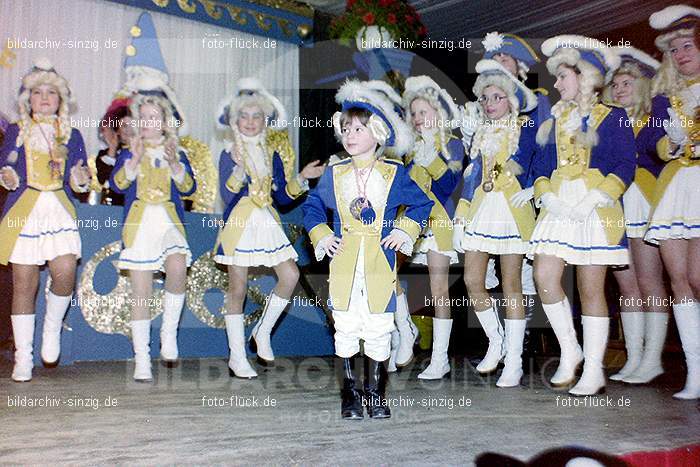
x=354 y=112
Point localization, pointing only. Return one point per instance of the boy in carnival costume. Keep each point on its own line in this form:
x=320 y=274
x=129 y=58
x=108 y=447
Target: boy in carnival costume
x=362 y=194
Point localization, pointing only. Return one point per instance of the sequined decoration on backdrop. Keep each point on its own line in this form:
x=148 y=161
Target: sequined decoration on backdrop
x=204 y=275
x=109 y=313
x=205 y=173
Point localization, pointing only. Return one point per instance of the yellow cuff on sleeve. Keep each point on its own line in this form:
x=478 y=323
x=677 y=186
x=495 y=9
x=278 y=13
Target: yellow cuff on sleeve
x=318 y=233
x=663 y=148
x=234 y=184
x=409 y=226
x=542 y=186
x=437 y=168
x=612 y=186
x=120 y=179
x=462 y=208
x=186 y=184
x=294 y=189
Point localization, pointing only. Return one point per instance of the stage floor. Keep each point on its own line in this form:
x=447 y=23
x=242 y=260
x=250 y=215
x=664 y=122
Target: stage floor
x=93 y=413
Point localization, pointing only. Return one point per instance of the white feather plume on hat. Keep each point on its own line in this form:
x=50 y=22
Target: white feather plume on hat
x=675 y=21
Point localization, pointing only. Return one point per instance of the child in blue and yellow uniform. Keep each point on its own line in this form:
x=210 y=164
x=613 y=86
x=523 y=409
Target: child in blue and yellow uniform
x=42 y=161
x=643 y=310
x=585 y=162
x=674 y=137
x=518 y=57
x=362 y=195
x=435 y=164
x=494 y=215
x=256 y=173
x=153 y=175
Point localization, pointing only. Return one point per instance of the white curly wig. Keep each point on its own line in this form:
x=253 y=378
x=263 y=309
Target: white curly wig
x=43 y=73
x=139 y=100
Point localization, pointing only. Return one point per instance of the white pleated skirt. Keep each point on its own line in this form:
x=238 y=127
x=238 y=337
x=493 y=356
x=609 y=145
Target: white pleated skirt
x=493 y=228
x=262 y=243
x=581 y=242
x=157 y=238
x=637 y=210
x=426 y=242
x=677 y=215
x=49 y=231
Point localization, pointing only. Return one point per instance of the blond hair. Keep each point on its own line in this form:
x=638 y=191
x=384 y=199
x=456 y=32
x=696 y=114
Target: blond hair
x=642 y=90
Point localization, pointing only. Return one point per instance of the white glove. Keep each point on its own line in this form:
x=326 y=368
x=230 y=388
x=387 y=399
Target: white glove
x=457 y=236
x=329 y=246
x=520 y=198
x=470 y=119
x=593 y=199
x=9 y=179
x=674 y=128
x=555 y=206
x=425 y=152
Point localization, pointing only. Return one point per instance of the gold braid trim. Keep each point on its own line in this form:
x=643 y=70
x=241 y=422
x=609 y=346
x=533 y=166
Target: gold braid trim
x=205 y=174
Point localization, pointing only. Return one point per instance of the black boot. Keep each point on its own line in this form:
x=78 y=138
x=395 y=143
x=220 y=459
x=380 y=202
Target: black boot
x=375 y=389
x=351 y=405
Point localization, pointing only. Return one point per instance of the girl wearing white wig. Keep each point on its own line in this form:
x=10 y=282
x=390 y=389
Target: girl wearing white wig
x=256 y=172
x=642 y=282
x=518 y=57
x=675 y=137
x=42 y=162
x=435 y=164
x=494 y=215
x=585 y=162
x=154 y=175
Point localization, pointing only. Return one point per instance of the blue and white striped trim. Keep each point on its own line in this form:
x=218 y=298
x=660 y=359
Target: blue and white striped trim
x=493 y=237
x=262 y=250
x=672 y=225
x=167 y=252
x=52 y=232
x=579 y=248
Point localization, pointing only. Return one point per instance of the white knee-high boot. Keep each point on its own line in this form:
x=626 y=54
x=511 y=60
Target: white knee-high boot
x=261 y=332
x=688 y=321
x=23 y=332
x=238 y=360
x=655 y=326
x=562 y=322
x=595 y=342
x=407 y=331
x=172 y=309
x=513 y=370
x=494 y=331
x=141 y=340
x=56 y=307
x=633 y=329
x=439 y=363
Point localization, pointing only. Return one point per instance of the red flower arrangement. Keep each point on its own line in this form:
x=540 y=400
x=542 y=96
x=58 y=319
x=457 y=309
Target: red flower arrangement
x=399 y=18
